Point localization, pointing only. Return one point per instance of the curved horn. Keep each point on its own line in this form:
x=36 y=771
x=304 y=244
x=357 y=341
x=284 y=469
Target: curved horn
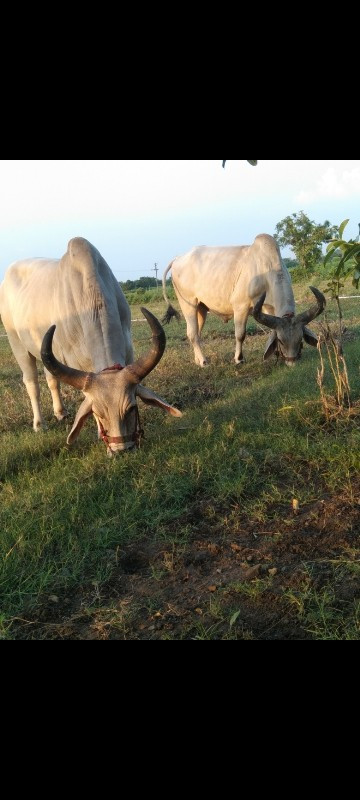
x=74 y=377
x=145 y=364
x=264 y=319
x=314 y=311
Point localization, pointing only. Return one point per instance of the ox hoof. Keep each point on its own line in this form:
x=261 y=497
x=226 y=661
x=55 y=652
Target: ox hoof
x=39 y=427
x=240 y=361
x=62 y=415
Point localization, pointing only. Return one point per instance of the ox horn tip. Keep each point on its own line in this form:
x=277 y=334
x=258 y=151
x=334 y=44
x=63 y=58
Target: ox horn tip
x=319 y=295
x=259 y=303
x=155 y=325
x=147 y=314
x=47 y=340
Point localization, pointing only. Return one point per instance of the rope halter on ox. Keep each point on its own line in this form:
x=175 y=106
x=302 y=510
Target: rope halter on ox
x=138 y=433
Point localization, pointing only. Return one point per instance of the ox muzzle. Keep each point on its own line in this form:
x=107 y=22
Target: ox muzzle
x=127 y=442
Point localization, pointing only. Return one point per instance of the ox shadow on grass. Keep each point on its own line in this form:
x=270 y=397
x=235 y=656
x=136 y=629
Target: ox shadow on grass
x=25 y=456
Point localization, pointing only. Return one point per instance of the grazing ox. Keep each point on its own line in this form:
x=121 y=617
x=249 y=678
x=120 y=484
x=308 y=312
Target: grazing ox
x=231 y=281
x=79 y=297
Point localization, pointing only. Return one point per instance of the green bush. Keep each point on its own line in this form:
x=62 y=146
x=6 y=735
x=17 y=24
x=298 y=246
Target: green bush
x=141 y=296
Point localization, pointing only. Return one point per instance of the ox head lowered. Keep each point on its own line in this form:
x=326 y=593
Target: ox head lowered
x=289 y=330
x=111 y=395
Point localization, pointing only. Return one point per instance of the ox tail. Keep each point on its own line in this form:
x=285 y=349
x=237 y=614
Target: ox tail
x=170 y=311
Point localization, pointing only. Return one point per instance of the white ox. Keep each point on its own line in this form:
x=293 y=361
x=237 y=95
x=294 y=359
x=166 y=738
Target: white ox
x=234 y=281
x=79 y=297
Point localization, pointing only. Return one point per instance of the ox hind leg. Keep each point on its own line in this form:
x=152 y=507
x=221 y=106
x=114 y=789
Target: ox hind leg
x=240 y=318
x=201 y=316
x=195 y=315
x=58 y=405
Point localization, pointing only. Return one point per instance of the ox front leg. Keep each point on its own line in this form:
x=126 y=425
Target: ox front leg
x=30 y=378
x=58 y=406
x=240 y=333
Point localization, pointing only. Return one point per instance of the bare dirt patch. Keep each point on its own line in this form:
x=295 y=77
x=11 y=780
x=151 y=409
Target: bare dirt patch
x=247 y=580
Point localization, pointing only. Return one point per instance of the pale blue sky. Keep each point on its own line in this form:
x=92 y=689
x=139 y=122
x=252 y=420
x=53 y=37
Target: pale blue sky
x=141 y=212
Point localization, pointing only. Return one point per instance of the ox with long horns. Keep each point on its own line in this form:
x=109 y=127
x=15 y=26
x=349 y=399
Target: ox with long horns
x=289 y=330
x=233 y=282
x=92 y=342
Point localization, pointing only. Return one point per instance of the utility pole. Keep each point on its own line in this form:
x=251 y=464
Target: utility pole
x=155 y=269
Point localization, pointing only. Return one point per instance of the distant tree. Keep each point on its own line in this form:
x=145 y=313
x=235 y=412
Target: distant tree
x=140 y=283
x=290 y=263
x=305 y=238
x=145 y=283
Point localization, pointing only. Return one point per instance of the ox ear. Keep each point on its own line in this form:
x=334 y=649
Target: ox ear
x=83 y=413
x=271 y=345
x=310 y=337
x=152 y=399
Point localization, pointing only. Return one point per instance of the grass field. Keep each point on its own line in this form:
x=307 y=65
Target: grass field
x=195 y=535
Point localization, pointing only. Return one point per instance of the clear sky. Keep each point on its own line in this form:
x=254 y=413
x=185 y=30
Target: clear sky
x=138 y=213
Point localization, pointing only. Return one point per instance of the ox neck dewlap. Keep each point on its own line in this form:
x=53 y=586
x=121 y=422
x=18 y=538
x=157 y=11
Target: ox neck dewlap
x=130 y=437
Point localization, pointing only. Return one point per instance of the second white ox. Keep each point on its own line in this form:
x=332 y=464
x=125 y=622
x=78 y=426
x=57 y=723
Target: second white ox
x=235 y=281
x=79 y=297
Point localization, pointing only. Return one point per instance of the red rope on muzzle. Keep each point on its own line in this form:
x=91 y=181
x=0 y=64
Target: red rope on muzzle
x=129 y=437
x=136 y=436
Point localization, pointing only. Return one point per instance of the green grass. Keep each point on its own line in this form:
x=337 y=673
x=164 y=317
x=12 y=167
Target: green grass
x=251 y=439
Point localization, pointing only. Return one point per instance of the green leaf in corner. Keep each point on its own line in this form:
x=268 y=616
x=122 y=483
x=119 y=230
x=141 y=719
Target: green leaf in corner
x=342 y=227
